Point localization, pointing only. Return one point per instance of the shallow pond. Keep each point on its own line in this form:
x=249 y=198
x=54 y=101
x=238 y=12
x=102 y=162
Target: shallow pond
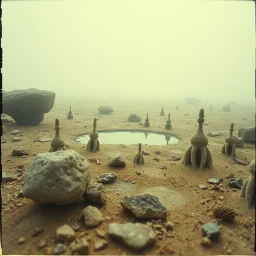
x=131 y=137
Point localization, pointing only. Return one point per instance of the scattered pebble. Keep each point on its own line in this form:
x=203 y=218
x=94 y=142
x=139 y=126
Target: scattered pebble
x=45 y=140
x=175 y=158
x=41 y=243
x=37 y=231
x=202 y=186
x=145 y=153
x=92 y=216
x=106 y=178
x=206 y=242
x=59 y=248
x=235 y=183
x=19 y=152
x=211 y=230
x=100 y=233
x=96 y=193
x=230 y=175
x=100 y=244
x=65 y=233
x=16 y=139
x=80 y=247
x=76 y=226
x=214 y=181
x=138 y=172
x=21 y=240
x=136 y=236
x=15 y=132
x=8 y=177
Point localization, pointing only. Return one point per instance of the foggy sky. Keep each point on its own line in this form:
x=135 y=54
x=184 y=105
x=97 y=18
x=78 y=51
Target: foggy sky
x=135 y=48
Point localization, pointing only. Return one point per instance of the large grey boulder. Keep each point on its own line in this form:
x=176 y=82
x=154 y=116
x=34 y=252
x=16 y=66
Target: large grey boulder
x=247 y=134
x=105 y=110
x=59 y=177
x=27 y=107
x=133 y=118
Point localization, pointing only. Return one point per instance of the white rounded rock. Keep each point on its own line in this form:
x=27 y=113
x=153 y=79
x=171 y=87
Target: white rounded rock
x=59 y=177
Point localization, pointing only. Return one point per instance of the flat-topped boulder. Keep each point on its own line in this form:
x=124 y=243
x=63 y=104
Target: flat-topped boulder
x=27 y=107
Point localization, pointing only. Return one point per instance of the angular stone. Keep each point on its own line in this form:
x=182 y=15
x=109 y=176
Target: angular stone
x=96 y=193
x=175 y=158
x=59 y=177
x=206 y=242
x=27 y=107
x=92 y=216
x=211 y=230
x=230 y=175
x=19 y=152
x=145 y=207
x=21 y=240
x=106 y=178
x=65 y=233
x=117 y=161
x=80 y=247
x=136 y=236
x=235 y=183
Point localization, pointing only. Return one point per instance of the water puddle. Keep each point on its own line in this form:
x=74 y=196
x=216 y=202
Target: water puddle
x=169 y=198
x=131 y=137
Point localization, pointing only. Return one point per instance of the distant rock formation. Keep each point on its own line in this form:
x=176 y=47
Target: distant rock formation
x=27 y=107
x=106 y=110
x=133 y=118
x=192 y=101
x=226 y=108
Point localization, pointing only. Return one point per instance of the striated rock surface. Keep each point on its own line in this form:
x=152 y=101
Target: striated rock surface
x=59 y=177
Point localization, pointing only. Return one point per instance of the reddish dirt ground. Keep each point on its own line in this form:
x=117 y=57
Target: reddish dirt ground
x=188 y=206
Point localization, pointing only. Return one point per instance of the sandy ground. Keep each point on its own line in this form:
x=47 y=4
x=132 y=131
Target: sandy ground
x=177 y=186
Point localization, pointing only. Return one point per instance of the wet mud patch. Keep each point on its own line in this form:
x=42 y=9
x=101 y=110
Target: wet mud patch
x=169 y=198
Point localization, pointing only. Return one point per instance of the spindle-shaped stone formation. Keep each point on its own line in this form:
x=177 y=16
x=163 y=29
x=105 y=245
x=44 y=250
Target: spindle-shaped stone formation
x=139 y=159
x=168 y=125
x=248 y=189
x=229 y=148
x=198 y=155
x=210 y=108
x=167 y=138
x=93 y=144
x=70 y=115
x=57 y=143
x=177 y=107
x=162 y=111
x=146 y=123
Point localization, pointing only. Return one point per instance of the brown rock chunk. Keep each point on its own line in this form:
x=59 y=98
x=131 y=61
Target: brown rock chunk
x=100 y=244
x=92 y=216
x=80 y=247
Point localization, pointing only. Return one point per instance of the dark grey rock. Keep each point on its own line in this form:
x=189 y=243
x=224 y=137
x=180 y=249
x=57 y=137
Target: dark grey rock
x=136 y=236
x=27 y=107
x=247 y=134
x=117 y=161
x=105 y=110
x=214 y=181
x=96 y=193
x=106 y=178
x=59 y=249
x=235 y=183
x=211 y=230
x=133 y=118
x=145 y=207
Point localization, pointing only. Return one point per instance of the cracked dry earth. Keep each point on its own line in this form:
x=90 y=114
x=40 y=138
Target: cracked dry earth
x=176 y=186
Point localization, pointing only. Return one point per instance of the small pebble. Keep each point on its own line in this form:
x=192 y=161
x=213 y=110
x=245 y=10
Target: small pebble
x=206 y=242
x=59 y=248
x=138 y=172
x=41 y=243
x=202 y=186
x=21 y=240
x=37 y=231
x=100 y=244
